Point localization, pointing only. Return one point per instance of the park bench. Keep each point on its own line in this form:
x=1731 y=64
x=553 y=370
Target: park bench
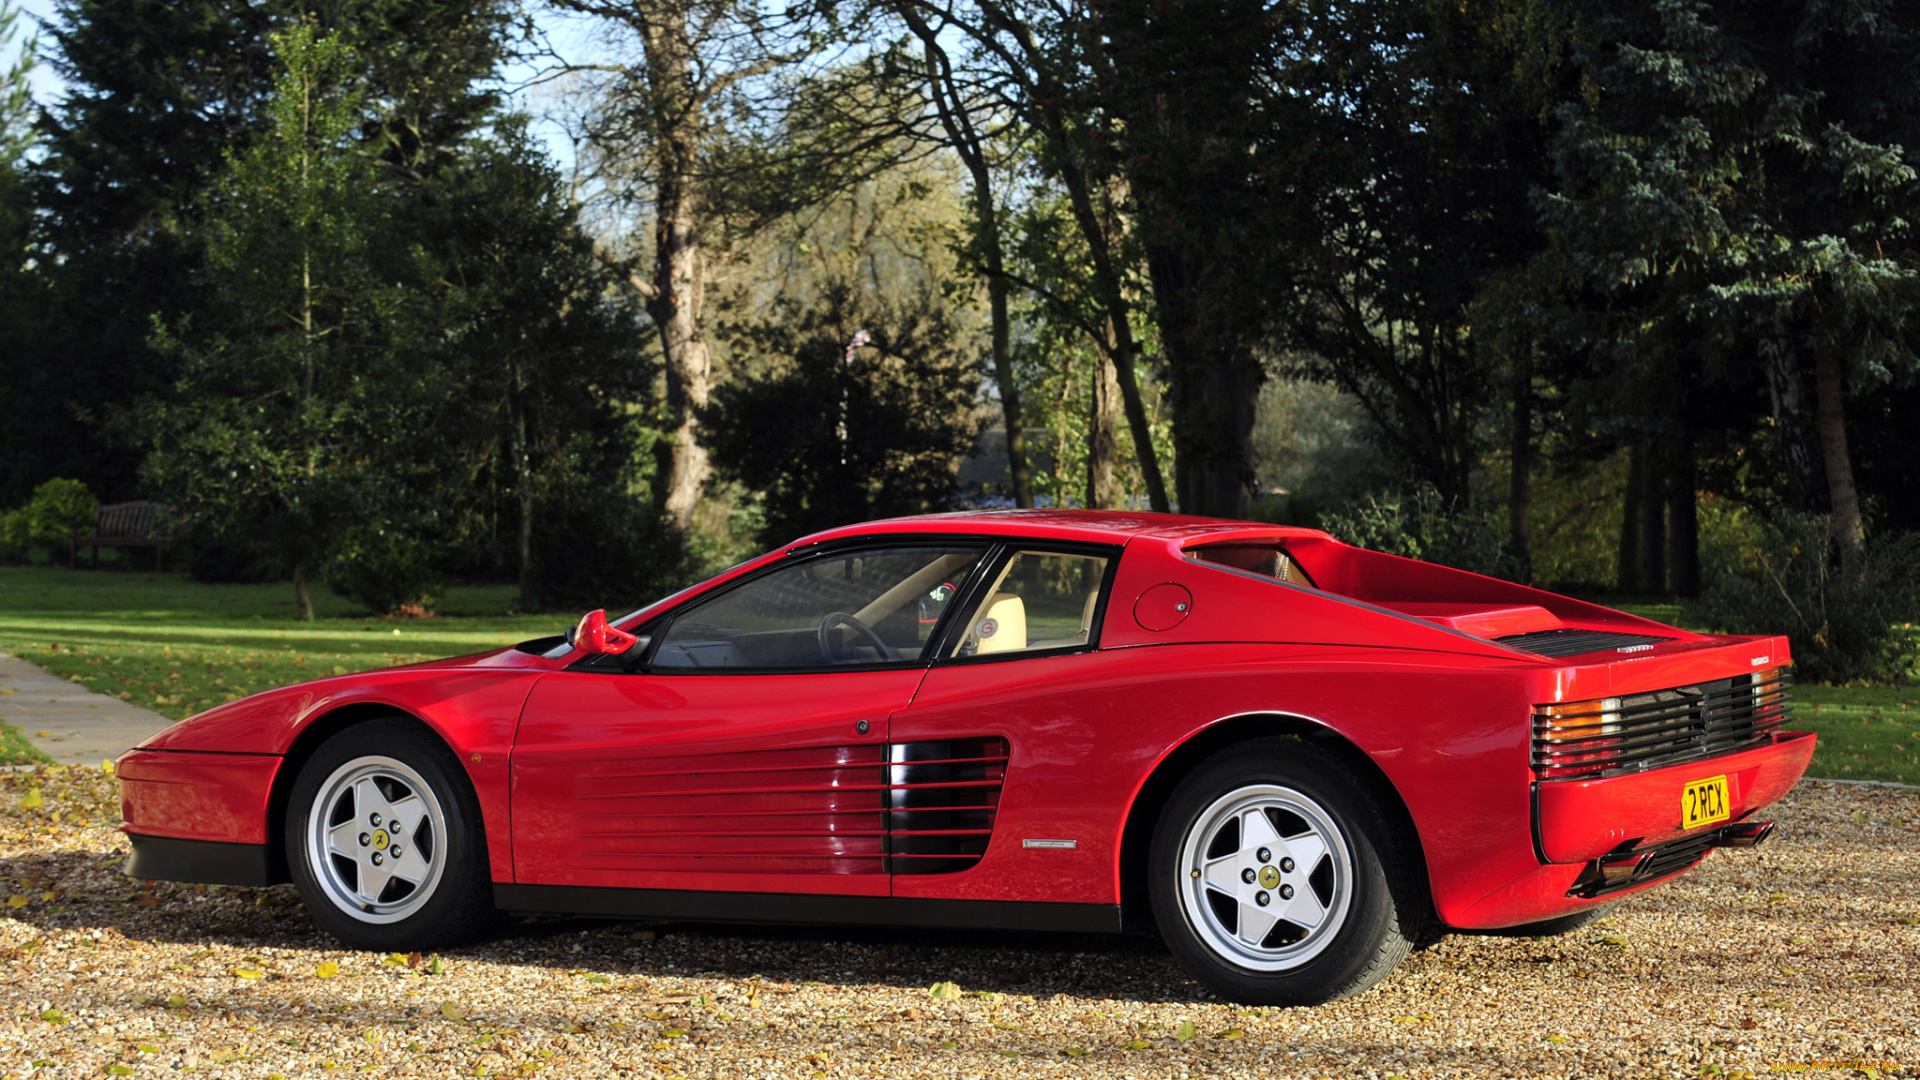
x=122 y=525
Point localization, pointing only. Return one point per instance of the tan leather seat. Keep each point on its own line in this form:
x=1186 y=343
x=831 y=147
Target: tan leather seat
x=1003 y=628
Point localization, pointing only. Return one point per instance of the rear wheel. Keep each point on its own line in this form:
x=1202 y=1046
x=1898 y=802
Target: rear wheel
x=1278 y=879
x=385 y=842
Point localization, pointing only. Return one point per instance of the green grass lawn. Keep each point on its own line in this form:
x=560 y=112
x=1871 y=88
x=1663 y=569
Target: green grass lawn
x=178 y=647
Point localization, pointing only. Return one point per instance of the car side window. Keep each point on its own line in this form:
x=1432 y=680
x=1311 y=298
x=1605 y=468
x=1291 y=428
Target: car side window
x=864 y=606
x=1039 y=601
x=1266 y=560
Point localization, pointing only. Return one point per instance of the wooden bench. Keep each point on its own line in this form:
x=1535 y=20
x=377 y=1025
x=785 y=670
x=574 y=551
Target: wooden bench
x=122 y=525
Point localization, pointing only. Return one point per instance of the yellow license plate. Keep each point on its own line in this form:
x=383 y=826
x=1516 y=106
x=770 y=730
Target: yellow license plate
x=1704 y=802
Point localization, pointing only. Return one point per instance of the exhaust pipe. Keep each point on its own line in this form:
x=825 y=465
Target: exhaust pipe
x=1624 y=868
x=1746 y=834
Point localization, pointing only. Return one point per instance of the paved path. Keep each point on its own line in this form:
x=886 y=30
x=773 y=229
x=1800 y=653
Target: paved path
x=71 y=723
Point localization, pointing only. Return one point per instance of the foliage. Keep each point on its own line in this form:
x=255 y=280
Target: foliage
x=48 y=518
x=1419 y=523
x=1843 y=613
x=606 y=548
x=388 y=571
x=894 y=419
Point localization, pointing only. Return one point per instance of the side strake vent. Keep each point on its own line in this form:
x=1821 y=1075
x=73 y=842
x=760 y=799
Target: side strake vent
x=942 y=798
x=1557 y=643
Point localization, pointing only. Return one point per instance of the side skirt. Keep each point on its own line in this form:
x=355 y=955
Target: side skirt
x=806 y=909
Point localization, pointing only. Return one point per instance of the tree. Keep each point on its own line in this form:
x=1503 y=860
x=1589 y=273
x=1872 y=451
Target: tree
x=540 y=365
x=263 y=440
x=1046 y=69
x=830 y=432
x=652 y=130
x=156 y=95
x=1746 y=174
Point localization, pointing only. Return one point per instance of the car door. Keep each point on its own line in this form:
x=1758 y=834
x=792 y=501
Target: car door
x=745 y=749
x=998 y=738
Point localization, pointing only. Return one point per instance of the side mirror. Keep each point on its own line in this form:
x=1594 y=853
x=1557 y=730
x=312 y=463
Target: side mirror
x=595 y=636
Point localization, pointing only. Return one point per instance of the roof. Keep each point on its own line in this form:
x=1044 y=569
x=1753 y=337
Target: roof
x=1087 y=526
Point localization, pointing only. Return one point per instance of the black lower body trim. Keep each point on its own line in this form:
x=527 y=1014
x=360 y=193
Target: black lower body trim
x=802 y=908
x=203 y=862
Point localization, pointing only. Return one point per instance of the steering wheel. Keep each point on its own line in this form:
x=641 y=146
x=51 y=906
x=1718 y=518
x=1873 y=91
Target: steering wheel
x=841 y=618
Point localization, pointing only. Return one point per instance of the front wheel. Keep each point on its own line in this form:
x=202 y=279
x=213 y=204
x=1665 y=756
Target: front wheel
x=1279 y=879
x=385 y=841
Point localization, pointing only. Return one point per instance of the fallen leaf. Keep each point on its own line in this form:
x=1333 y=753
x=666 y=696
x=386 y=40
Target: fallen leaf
x=436 y=967
x=1185 y=1031
x=943 y=991
x=394 y=960
x=1232 y=1033
x=119 y=1070
x=53 y=1016
x=1075 y=1051
x=176 y=1001
x=450 y=1012
x=248 y=973
x=17 y=901
x=326 y=970
x=673 y=1033
x=949 y=1044
x=32 y=800
x=414 y=960
x=1137 y=1044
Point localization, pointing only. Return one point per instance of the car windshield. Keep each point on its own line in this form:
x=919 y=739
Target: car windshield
x=876 y=605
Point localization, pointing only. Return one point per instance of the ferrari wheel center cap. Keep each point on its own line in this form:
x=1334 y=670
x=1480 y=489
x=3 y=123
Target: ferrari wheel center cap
x=1269 y=877
x=380 y=839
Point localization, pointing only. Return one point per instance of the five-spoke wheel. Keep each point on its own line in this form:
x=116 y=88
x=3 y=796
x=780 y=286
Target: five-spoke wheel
x=385 y=840
x=375 y=833
x=1280 y=877
x=1269 y=876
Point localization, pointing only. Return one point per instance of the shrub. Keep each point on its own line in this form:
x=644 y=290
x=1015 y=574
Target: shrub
x=1842 y=614
x=58 y=507
x=386 y=572
x=602 y=548
x=1419 y=524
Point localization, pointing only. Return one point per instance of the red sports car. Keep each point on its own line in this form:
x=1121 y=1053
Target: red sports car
x=1292 y=756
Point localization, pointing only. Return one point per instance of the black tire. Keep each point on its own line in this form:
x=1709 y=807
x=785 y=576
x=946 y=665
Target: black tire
x=381 y=764
x=1365 y=883
x=1565 y=924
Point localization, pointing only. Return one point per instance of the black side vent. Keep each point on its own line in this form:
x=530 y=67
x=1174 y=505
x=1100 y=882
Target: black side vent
x=1558 y=643
x=942 y=798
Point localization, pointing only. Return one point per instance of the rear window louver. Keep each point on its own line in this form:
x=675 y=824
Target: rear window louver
x=1557 y=643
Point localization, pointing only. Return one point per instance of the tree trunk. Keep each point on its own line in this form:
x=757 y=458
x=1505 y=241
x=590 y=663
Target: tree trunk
x=1683 y=513
x=1214 y=386
x=302 y=600
x=1632 y=522
x=523 y=484
x=1103 y=449
x=965 y=139
x=1653 y=523
x=1520 y=482
x=1806 y=486
x=1830 y=390
x=679 y=274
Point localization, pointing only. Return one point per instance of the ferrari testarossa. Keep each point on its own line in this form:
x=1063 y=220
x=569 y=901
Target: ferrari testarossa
x=1293 y=756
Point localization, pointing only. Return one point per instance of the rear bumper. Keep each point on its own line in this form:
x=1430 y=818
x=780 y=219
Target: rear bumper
x=1577 y=821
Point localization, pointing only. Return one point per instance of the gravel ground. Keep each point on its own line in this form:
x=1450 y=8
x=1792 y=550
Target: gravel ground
x=1803 y=952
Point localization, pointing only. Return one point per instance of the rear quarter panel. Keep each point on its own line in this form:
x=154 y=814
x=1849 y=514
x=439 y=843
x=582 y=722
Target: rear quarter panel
x=1086 y=731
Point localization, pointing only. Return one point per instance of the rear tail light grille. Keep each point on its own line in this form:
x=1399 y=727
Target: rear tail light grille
x=1643 y=731
x=942 y=799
